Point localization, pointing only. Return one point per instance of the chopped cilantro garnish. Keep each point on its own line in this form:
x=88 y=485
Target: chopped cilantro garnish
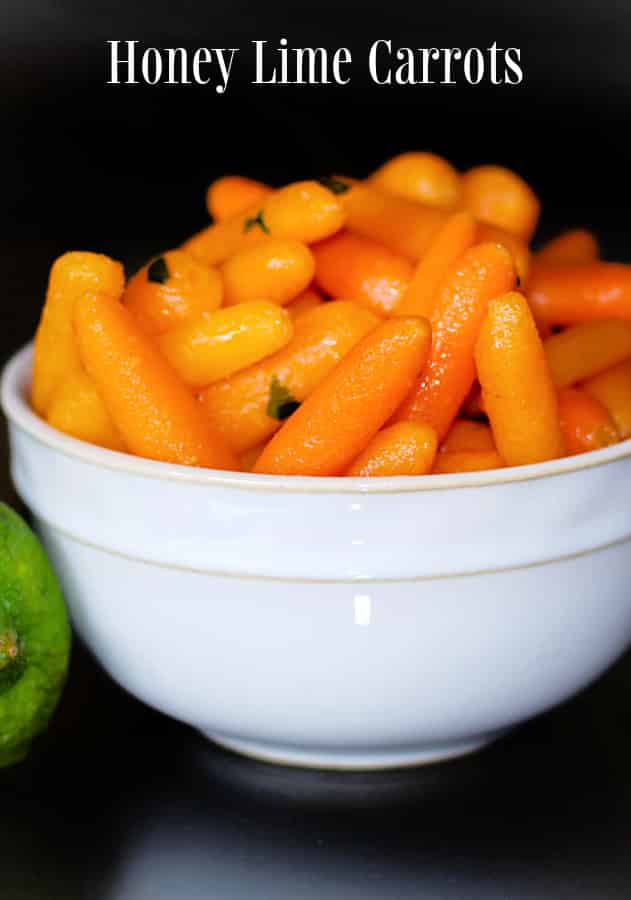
x=158 y=271
x=334 y=184
x=281 y=404
x=257 y=220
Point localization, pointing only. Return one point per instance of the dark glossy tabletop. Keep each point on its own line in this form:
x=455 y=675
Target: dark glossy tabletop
x=117 y=802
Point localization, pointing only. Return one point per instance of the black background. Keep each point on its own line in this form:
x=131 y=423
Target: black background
x=117 y=803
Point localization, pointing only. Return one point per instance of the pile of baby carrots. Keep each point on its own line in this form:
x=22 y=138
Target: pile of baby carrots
x=399 y=325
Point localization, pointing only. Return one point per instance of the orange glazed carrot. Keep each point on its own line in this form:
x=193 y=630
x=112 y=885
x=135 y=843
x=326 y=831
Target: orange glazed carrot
x=171 y=290
x=482 y=273
x=585 y=422
x=76 y=409
x=613 y=389
x=500 y=197
x=467 y=435
x=423 y=177
x=574 y=246
x=467 y=461
x=305 y=211
x=402 y=225
x=583 y=350
x=154 y=412
x=517 y=248
x=251 y=405
x=276 y=270
x=580 y=292
x=449 y=243
x=232 y=194
x=519 y=394
x=342 y=415
x=56 y=354
x=407 y=448
x=304 y=302
x=356 y=268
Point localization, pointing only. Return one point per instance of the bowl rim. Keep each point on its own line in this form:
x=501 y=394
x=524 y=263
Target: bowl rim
x=16 y=375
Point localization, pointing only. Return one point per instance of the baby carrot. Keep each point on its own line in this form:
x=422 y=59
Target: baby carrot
x=456 y=235
x=485 y=271
x=423 y=177
x=580 y=292
x=232 y=194
x=583 y=350
x=172 y=289
x=576 y=245
x=500 y=197
x=467 y=435
x=407 y=448
x=467 y=461
x=585 y=422
x=76 y=409
x=251 y=405
x=56 y=353
x=276 y=270
x=519 y=394
x=217 y=345
x=517 y=247
x=347 y=409
x=305 y=211
x=356 y=268
x=304 y=302
x=402 y=225
x=152 y=409
x=613 y=389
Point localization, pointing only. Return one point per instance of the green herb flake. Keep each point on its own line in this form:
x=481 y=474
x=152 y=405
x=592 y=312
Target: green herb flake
x=281 y=404
x=158 y=271
x=256 y=221
x=334 y=184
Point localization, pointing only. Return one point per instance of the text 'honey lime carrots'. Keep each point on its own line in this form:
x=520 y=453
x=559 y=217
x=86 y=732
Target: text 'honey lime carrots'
x=352 y=267
x=424 y=177
x=305 y=211
x=251 y=405
x=217 y=345
x=456 y=235
x=406 y=448
x=583 y=350
x=485 y=271
x=613 y=389
x=56 y=353
x=574 y=246
x=586 y=424
x=275 y=270
x=342 y=415
x=519 y=395
x=498 y=196
x=404 y=226
x=152 y=409
x=170 y=290
x=580 y=292
x=233 y=194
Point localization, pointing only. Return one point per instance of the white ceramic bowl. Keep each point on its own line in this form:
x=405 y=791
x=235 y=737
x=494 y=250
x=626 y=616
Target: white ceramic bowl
x=347 y=623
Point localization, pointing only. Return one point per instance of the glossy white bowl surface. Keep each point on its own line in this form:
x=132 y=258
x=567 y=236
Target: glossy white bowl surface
x=348 y=623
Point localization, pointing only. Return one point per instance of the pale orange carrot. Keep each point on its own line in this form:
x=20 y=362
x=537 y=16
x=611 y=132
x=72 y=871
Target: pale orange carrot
x=151 y=408
x=583 y=350
x=613 y=389
x=467 y=435
x=339 y=419
x=407 y=448
x=519 y=395
x=482 y=273
x=449 y=243
x=585 y=422
x=467 y=461
x=232 y=194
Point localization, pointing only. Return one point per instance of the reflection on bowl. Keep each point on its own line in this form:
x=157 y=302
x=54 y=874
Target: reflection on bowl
x=328 y=622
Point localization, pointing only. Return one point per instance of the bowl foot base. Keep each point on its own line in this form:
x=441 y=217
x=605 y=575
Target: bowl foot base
x=352 y=760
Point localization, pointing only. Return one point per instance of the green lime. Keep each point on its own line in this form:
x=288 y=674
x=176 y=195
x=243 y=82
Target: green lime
x=34 y=637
